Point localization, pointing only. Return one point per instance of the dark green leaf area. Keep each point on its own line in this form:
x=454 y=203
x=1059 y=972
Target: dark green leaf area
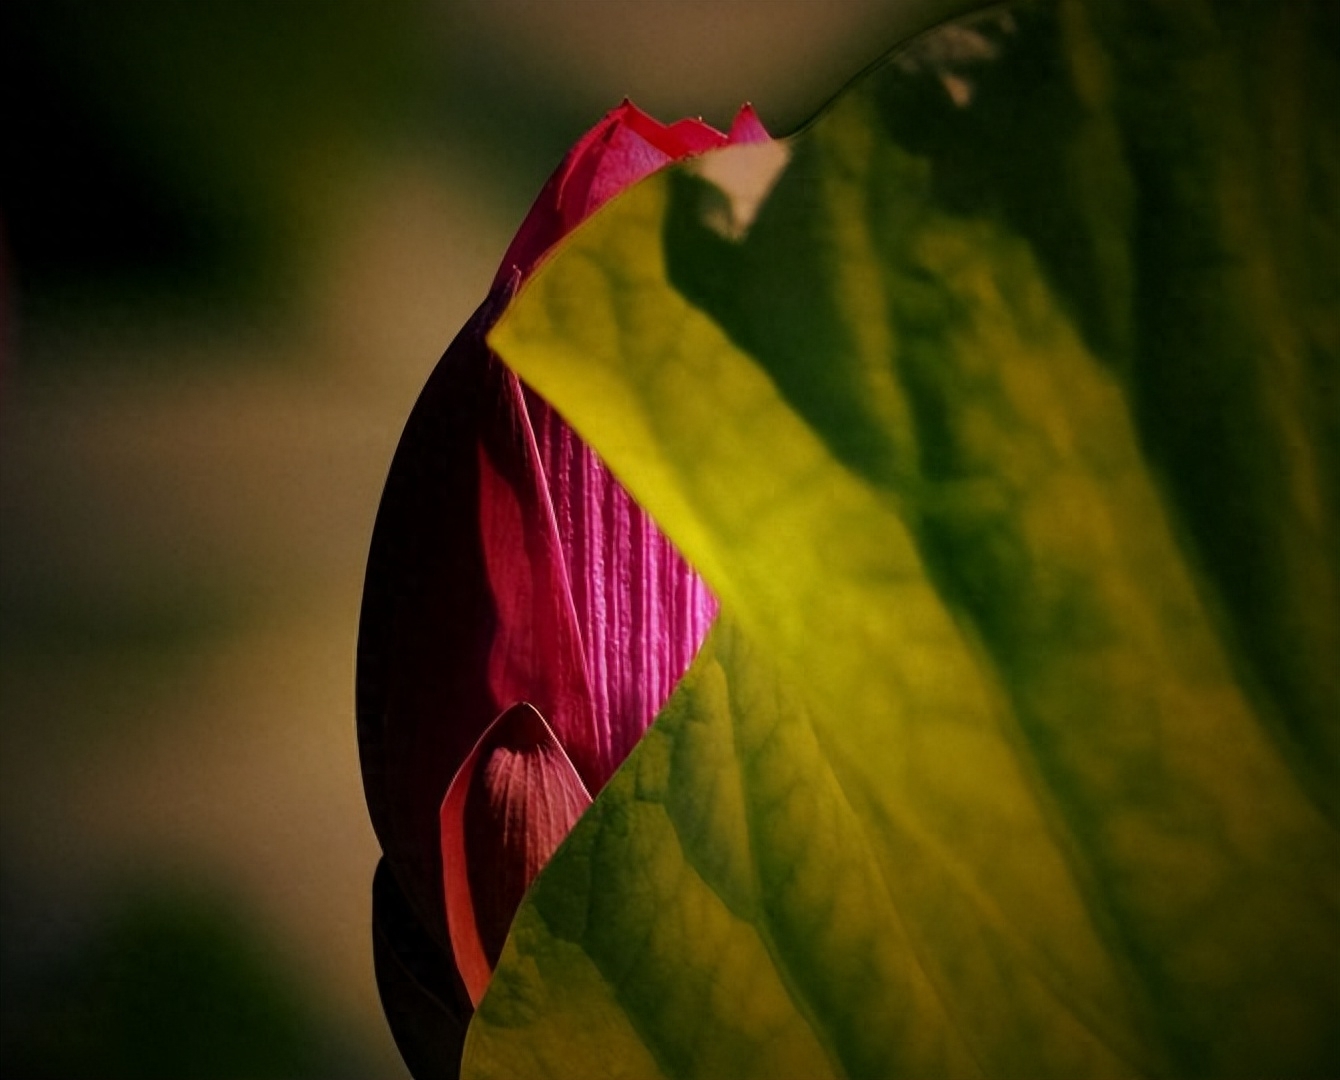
x=1172 y=171
x=1236 y=317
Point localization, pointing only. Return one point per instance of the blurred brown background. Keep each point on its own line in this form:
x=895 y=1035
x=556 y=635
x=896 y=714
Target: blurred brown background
x=236 y=236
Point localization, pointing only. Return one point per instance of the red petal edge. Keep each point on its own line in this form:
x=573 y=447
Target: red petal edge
x=514 y=800
x=624 y=147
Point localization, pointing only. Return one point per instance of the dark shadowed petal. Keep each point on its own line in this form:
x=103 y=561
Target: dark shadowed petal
x=427 y=623
x=512 y=803
x=426 y=1006
x=642 y=610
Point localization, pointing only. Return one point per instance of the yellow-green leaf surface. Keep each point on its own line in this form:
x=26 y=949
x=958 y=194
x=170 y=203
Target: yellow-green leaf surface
x=1006 y=433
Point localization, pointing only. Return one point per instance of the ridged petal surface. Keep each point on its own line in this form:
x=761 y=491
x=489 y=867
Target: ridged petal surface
x=642 y=609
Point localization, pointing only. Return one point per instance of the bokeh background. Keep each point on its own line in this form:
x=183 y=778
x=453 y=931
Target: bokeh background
x=235 y=237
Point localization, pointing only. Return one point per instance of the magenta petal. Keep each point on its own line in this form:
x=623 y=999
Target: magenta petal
x=515 y=799
x=607 y=159
x=642 y=610
x=625 y=158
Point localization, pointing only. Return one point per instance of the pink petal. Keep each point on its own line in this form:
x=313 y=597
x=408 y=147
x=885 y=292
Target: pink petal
x=622 y=158
x=514 y=800
x=545 y=223
x=642 y=610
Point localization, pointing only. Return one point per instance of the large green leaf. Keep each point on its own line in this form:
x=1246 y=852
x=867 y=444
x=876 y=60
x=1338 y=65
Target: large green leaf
x=1007 y=434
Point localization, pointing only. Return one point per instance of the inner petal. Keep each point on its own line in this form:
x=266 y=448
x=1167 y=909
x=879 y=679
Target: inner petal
x=524 y=799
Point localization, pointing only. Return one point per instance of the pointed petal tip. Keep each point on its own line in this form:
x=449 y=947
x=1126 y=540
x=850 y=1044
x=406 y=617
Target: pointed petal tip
x=747 y=127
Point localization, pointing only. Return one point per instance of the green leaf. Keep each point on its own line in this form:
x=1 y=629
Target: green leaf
x=1007 y=434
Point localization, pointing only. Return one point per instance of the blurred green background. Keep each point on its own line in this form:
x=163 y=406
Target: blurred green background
x=235 y=237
